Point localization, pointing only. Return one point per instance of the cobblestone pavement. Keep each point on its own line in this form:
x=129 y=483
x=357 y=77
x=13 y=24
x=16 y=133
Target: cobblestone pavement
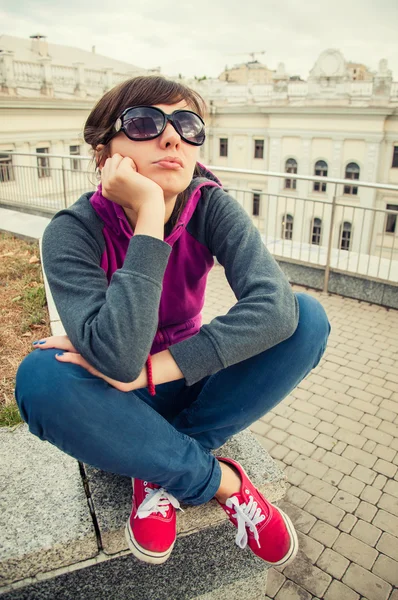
x=336 y=438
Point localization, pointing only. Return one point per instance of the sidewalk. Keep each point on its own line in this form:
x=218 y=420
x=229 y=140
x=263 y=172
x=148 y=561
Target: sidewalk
x=22 y=224
x=336 y=438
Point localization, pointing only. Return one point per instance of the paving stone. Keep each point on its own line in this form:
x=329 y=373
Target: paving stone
x=349 y=424
x=294 y=476
x=310 y=547
x=304 y=405
x=339 y=463
x=346 y=501
x=370 y=494
x=339 y=447
x=280 y=422
x=324 y=511
x=325 y=441
x=385 y=468
x=359 y=456
x=299 y=445
x=347 y=523
x=318 y=487
x=364 y=474
x=276 y=435
x=388 y=544
x=391 y=488
x=355 y=550
x=302 y=520
x=387 y=522
x=369 y=446
x=349 y=412
x=387 y=569
x=366 y=511
x=367 y=533
x=370 y=421
x=291 y=591
x=303 y=418
x=275 y=580
x=350 y=438
x=351 y=485
x=260 y=427
x=366 y=407
x=333 y=477
x=279 y=452
x=309 y=466
x=324 y=533
x=339 y=591
x=297 y=496
x=303 y=432
x=380 y=482
x=389 y=503
x=385 y=453
x=318 y=454
x=312 y=579
x=333 y=563
x=291 y=457
x=326 y=415
x=327 y=428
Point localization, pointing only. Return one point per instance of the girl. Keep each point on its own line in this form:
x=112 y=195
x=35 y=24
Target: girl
x=143 y=389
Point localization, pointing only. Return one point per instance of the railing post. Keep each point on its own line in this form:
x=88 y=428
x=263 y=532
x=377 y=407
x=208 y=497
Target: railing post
x=64 y=184
x=8 y=85
x=329 y=254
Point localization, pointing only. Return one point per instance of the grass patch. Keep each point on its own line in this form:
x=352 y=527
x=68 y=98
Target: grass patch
x=9 y=415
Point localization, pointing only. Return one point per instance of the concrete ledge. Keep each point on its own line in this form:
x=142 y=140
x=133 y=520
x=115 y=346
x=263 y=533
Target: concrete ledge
x=111 y=494
x=45 y=521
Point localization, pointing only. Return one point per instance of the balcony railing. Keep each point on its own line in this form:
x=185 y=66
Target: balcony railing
x=332 y=232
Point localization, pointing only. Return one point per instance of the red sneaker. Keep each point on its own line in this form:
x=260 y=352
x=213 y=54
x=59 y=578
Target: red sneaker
x=267 y=530
x=152 y=527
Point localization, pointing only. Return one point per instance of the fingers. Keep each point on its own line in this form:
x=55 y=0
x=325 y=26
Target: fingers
x=62 y=342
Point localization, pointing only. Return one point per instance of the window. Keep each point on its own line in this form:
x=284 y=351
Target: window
x=258 y=148
x=391 y=221
x=321 y=170
x=256 y=203
x=290 y=167
x=395 y=158
x=316 y=231
x=223 y=146
x=351 y=172
x=287 y=227
x=43 y=163
x=345 y=235
x=74 y=163
x=6 y=170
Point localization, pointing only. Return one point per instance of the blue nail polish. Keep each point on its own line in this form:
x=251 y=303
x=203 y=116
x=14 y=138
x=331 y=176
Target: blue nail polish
x=59 y=354
x=42 y=342
x=34 y=343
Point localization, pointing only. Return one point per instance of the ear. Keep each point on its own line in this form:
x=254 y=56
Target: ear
x=100 y=156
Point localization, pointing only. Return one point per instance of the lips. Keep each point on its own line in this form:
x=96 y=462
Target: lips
x=170 y=159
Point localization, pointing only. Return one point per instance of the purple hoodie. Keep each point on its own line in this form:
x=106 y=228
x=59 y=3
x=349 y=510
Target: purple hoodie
x=122 y=296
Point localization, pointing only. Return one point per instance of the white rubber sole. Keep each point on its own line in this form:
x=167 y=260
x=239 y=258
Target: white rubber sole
x=154 y=558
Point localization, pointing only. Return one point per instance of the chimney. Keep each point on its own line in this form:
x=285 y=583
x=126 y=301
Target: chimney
x=39 y=44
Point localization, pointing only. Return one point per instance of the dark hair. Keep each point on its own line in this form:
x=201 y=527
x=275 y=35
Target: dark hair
x=145 y=89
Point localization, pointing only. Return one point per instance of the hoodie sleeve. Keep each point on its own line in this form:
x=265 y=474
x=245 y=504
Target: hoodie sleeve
x=266 y=312
x=113 y=326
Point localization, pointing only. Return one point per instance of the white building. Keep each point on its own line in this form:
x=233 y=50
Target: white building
x=330 y=125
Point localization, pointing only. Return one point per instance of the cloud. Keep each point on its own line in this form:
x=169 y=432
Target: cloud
x=202 y=39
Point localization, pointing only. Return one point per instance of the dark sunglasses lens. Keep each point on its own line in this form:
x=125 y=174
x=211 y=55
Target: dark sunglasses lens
x=143 y=123
x=190 y=127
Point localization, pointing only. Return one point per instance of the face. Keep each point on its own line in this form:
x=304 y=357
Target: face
x=146 y=155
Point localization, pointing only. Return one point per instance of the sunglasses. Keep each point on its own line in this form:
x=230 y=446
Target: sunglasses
x=141 y=123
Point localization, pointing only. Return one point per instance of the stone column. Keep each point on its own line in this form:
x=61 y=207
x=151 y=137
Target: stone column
x=47 y=88
x=9 y=85
x=80 y=88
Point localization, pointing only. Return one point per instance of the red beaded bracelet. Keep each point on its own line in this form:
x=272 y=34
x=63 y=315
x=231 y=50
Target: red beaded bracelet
x=151 y=387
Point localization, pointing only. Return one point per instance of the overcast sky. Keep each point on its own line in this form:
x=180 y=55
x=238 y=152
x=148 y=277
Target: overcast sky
x=200 y=38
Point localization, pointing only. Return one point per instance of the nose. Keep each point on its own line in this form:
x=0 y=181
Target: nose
x=170 y=136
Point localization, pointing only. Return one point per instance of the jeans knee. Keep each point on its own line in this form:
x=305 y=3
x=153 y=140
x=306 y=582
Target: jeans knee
x=33 y=382
x=313 y=324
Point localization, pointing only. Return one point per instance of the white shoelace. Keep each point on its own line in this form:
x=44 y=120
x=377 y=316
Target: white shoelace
x=247 y=515
x=156 y=501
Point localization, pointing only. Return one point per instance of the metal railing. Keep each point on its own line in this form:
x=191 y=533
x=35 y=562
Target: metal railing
x=332 y=231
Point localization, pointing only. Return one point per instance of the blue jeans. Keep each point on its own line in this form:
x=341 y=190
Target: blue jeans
x=167 y=438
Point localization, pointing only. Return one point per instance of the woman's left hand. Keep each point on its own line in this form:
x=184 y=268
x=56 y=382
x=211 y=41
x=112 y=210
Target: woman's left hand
x=71 y=355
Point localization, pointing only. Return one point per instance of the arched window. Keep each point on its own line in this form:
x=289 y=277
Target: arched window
x=287 y=227
x=291 y=167
x=321 y=170
x=316 y=231
x=351 y=172
x=345 y=235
